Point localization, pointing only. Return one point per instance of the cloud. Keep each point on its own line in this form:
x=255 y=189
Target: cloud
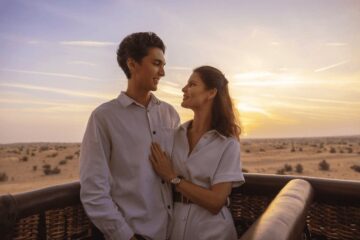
x=336 y=44
x=82 y=63
x=63 y=75
x=331 y=66
x=264 y=79
x=178 y=68
x=88 y=43
x=253 y=75
x=57 y=90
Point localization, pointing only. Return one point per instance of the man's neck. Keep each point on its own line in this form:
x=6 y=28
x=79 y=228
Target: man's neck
x=139 y=96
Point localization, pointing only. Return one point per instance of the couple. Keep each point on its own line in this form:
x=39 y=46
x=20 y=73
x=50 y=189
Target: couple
x=144 y=177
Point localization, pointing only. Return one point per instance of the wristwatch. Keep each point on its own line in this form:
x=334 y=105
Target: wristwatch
x=176 y=180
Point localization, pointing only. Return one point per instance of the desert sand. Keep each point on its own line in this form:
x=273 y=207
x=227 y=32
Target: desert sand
x=28 y=166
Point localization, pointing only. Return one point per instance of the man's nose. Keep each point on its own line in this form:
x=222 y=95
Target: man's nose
x=162 y=71
x=183 y=89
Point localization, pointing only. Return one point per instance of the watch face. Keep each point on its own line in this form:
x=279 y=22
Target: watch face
x=175 y=180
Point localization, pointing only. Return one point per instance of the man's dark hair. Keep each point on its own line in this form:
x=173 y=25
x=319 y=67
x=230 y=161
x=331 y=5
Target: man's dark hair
x=136 y=46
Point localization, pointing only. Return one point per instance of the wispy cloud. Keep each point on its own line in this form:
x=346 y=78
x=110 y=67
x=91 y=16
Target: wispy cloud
x=331 y=66
x=82 y=63
x=245 y=107
x=264 y=79
x=25 y=102
x=63 y=75
x=178 y=68
x=88 y=43
x=57 y=90
x=317 y=100
x=253 y=75
x=336 y=44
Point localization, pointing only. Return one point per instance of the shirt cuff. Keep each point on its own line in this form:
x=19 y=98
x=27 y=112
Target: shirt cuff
x=236 y=179
x=122 y=233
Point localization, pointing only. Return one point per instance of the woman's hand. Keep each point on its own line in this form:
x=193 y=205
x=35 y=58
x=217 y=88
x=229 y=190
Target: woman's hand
x=161 y=163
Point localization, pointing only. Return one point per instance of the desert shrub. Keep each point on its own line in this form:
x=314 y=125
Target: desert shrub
x=34 y=168
x=32 y=154
x=356 y=168
x=341 y=151
x=244 y=170
x=43 y=148
x=292 y=149
x=49 y=171
x=332 y=150
x=280 y=171
x=69 y=157
x=23 y=159
x=318 y=151
x=13 y=151
x=77 y=152
x=63 y=162
x=3 y=177
x=299 y=168
x=287 y=167
x=300 y=149
x=52 y=155
x=46 y=166
x=324 y=166
x=262 y=150
x=27 y=151
x=279 y=147
x=247 y=151
x=350 y=150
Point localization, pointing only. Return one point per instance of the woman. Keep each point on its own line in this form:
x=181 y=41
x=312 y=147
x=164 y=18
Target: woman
x=205 y=161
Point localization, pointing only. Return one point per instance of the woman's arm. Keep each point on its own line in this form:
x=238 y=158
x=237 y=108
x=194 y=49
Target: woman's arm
x=212 y=199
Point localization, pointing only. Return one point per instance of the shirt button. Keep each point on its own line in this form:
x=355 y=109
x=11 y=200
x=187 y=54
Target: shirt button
x=168 y=206
x=154 y=132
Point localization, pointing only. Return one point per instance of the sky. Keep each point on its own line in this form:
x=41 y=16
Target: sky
x=293 y=66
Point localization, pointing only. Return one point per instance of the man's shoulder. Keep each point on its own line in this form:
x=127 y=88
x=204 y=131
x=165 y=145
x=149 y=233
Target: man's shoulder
x=106 y=107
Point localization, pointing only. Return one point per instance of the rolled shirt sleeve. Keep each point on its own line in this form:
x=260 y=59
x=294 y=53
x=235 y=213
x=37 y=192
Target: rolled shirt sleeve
x=95 y=179
x=229 y=168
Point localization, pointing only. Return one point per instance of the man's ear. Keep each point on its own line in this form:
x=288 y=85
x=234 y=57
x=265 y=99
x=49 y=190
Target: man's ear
x=131 y=64
x=212 y=93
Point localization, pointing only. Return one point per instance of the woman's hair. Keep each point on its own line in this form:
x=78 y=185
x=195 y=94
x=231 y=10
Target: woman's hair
x=136 y=46
x=224 y=115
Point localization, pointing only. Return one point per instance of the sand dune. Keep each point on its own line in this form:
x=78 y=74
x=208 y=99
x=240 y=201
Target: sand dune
x=27 y=166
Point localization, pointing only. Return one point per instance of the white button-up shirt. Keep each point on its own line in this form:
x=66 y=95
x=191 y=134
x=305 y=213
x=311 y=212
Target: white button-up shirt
x=120 y=192
x=214 y=159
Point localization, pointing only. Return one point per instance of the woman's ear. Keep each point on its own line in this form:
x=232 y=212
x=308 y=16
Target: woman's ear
x=212 y=93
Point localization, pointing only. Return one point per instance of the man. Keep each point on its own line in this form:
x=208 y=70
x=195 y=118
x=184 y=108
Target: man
x=120 y=192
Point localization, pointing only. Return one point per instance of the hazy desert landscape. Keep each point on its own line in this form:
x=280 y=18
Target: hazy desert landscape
x=27 y=166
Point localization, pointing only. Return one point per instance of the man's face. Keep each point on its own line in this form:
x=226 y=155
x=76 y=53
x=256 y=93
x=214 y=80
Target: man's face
x=148 y=72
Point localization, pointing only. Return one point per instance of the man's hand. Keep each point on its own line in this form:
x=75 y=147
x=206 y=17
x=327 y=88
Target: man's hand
x=161 y=163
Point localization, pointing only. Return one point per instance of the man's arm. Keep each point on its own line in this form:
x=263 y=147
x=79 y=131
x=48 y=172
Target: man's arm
x=95 y=180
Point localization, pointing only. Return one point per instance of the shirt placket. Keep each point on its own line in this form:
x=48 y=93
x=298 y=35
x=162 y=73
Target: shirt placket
x=155 y=136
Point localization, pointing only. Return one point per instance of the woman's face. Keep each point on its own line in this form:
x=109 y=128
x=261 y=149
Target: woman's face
x=195 y=93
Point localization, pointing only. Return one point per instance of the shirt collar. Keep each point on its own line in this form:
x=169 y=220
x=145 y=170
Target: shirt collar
x=126 y=101
x=185 y=126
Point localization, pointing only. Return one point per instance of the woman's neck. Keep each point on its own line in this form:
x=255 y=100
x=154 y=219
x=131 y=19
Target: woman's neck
x=202 y=121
